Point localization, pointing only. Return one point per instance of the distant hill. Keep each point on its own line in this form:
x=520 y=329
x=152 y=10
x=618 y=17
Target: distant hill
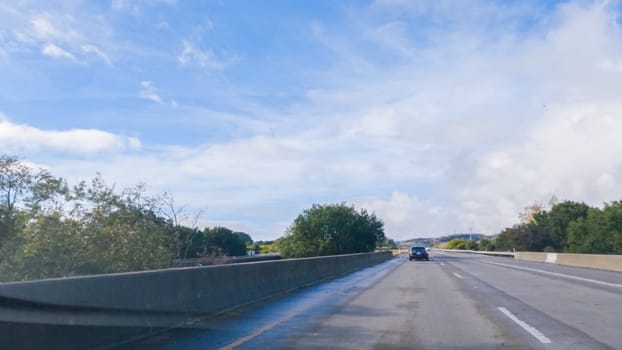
x=426 y=242
x=429 y=242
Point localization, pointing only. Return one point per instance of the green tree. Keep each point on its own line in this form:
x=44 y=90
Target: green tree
x=52 y=247
x=122 y=231
x=388 y=243
x=486 y=244
x=522 y=237
x=101 y=232
x=189 y=242
x=23 y=190
x=50 y=230
x=555 y=222
x=458 y=243
x=332 y=229
x=600 y=232
x=223 y=241
x=268 y=246
x=245 y=237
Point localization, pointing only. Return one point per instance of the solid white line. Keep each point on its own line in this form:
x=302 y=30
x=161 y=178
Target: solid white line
x=457 y=275
x=609 y=284
x=536 y=333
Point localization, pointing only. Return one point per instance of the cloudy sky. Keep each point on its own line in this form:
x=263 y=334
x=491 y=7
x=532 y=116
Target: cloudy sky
x=439 y=116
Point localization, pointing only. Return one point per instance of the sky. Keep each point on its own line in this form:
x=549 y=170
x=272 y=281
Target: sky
x=439 y=116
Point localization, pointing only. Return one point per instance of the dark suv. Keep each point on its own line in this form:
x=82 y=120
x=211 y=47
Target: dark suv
x=418 y=253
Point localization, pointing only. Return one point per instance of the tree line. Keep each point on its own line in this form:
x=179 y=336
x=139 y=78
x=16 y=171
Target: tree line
x=568 y=226
x=51 y=229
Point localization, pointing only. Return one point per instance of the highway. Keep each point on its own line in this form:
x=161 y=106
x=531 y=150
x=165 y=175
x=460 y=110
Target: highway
x=454 y=301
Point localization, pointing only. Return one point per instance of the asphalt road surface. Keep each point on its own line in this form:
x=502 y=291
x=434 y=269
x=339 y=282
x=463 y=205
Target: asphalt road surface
x=454 y=301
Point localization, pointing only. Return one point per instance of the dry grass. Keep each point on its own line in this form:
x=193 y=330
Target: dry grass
x=397 y=252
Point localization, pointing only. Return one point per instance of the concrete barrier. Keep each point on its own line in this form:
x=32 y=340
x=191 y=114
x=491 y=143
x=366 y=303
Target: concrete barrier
x=594 y=261
x=531 y=256
x=171 y=293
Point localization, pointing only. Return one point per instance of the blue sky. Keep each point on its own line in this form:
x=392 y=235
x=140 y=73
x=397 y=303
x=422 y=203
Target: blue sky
x=437 y=115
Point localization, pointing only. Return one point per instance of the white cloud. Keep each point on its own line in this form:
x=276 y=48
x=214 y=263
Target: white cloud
x=95 y=50
x=573 y=154
x=44 y=29
x=57 y=52
x=47 y=27
x=203 y=58
x=406 y=216
x=148 y=92
x=60 y=31
x=568 y=142
x=20 y=138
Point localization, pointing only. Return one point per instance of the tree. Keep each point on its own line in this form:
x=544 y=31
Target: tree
x=529 y=213
x=244 y=237
x=22 y=188
x=188 y=240
x=96 y=230
x=268 y=246
x=486 y=244
x=600 y=232
x=332 y=229
x=50 y=230
x=462 y=244
x=52 y=247
x=523 y=237
x=555 y=222
x=457 y=243
x=121 y=231
x=223 y=241
x=388 y=243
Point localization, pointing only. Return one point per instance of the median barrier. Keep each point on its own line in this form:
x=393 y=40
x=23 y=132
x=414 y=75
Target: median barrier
x=158 y=296
x=596 y=261
x=593 y=261
x=532 y=256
